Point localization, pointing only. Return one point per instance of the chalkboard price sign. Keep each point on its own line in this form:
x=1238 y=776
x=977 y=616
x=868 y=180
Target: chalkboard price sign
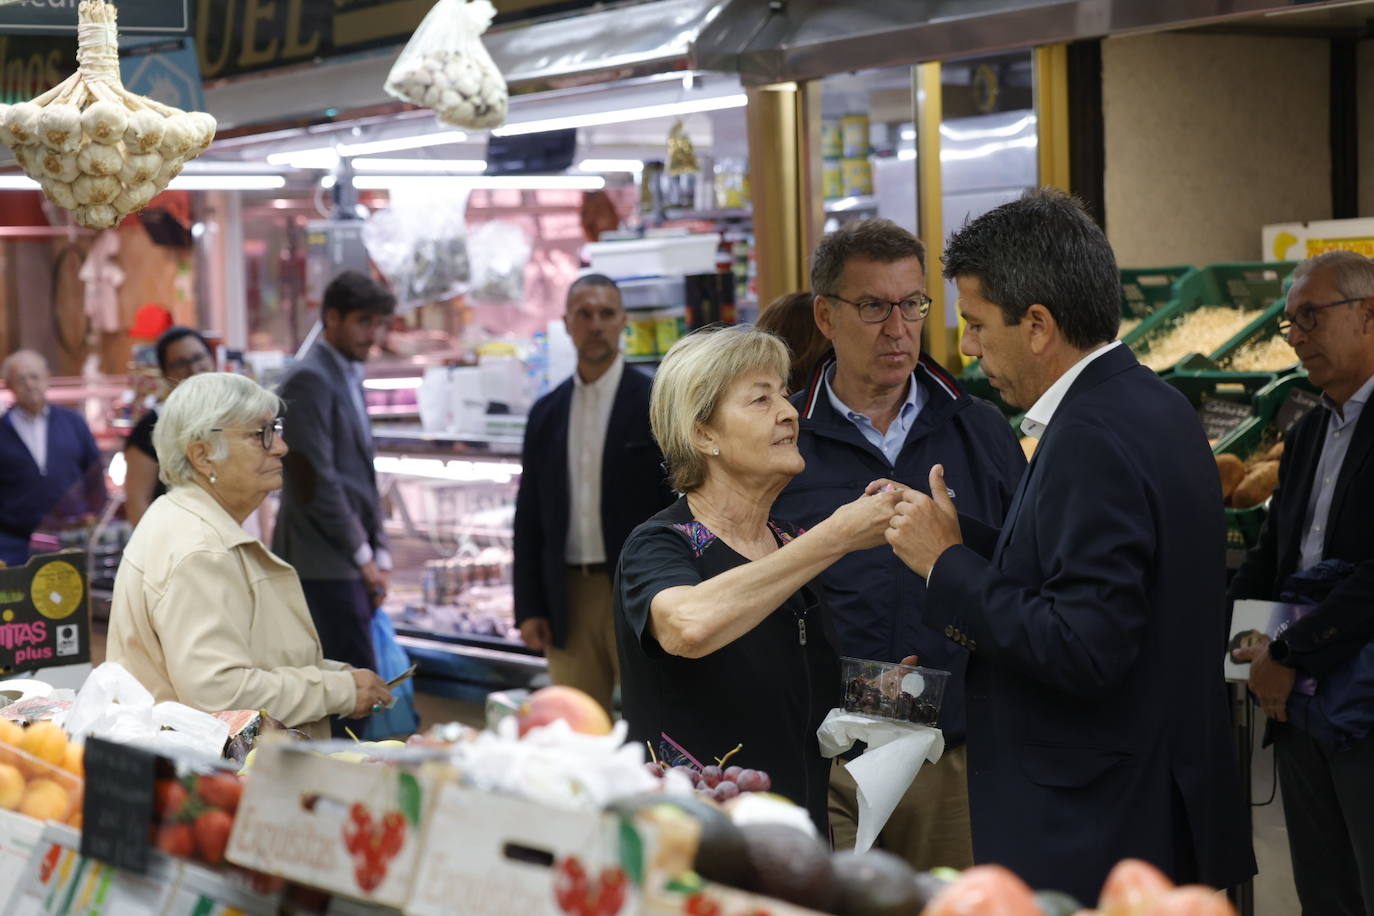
x=118 y=810
x=1220 y=416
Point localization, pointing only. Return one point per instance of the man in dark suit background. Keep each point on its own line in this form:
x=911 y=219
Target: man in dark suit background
x=49 y=463
x=330 y=523
x=1098 y=726
x=591 y=473
x=1323 y=510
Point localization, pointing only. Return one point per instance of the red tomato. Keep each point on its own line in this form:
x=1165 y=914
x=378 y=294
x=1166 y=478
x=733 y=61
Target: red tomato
x=176 y=840
x=212 y=835
x=168 y=798
x=220 y=790
x=985 y=890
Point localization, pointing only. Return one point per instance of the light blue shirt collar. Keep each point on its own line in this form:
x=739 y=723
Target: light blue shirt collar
x=891 y=442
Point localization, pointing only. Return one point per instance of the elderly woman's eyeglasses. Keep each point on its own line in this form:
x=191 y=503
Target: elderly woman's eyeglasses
x=1304 y=318
x=873 y=310
x=266 y=434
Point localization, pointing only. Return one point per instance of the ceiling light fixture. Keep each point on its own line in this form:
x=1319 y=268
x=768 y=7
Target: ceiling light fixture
x=483 y=182
x=594 y=119
x=634 y=166
x=326 y=157
x=17 y=183
x=227 y=183
x=379 y=164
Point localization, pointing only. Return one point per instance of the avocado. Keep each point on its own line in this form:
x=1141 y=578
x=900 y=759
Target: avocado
x=875 y=883
x=720 y=853
x=789 y=865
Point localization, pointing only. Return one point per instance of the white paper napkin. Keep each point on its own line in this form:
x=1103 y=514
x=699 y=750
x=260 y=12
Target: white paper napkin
x=882 y=773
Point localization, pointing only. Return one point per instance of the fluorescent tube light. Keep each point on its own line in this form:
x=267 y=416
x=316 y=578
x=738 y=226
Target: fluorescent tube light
x=227 y=182
x=326 y=157
x=18 y=183
x=489 y=182
x=474 y=166
x=392 y=384
x=634 y=166
x=593 y=119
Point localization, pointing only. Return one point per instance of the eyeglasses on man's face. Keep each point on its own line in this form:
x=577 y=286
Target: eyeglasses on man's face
x=1304 y=317
x=873 y=310
x=266 y=434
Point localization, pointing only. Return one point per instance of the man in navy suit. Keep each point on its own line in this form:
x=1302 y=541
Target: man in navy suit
x=49 y=463
x=1323 y=512
x=1098 y=726
x=592 y=472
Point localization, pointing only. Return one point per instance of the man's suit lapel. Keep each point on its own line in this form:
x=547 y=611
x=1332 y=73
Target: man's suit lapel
x=557 y=460
x=363 y=437
x=7 y=429
x=1355 y=457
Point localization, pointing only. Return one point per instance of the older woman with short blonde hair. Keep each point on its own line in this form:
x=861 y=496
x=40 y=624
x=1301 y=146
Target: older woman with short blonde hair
x=203 y=613
x=722 y=639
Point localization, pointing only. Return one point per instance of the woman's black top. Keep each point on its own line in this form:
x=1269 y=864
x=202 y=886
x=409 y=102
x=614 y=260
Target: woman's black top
x=768 y=690
x=141 y=438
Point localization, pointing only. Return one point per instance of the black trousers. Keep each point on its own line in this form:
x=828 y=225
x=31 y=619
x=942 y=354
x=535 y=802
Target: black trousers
x=1328 y=802
x=343 y=618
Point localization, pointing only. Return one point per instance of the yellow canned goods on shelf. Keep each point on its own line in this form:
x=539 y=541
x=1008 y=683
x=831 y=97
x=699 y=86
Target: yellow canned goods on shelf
x=854 y=136
x=832 y=140
x=670 y=325
x=832 y=179
x=856 y=177
x=641 y=334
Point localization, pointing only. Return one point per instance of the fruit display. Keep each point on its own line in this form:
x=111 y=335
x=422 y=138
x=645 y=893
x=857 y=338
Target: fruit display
x=94 y=147
x=41 y=772
x=1203 y=330
x=891 y=691
x=445 y=67
x=568 y=704
x=1246 y=484
x=194 y=814
x=714 y=781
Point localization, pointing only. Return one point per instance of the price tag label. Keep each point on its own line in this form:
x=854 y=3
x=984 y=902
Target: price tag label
x=1294 y=408
x=118 y=810
x=1220 y=416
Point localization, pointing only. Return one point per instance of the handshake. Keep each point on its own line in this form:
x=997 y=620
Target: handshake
x=919 y=527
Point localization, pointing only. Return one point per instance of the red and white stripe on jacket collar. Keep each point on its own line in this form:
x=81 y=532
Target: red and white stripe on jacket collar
x=942 y=379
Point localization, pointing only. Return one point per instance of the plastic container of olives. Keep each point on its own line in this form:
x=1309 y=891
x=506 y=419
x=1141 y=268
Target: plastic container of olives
x=886 y=690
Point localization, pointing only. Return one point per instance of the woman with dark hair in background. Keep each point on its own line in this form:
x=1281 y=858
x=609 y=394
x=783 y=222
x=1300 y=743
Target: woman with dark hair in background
x=793 y=318
x=181 y=353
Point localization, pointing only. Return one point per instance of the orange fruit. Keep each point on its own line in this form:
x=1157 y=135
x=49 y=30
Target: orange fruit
x=11 y=732
x=74 y=760
x=75 y=819
x=46 y=741
x=45 y=800
x=11 y=787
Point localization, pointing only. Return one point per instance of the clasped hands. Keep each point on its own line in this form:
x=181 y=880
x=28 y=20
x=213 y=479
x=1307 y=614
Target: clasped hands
x=921 y=527
x=1270 y=682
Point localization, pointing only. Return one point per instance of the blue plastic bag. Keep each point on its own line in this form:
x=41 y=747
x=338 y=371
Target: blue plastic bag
x=401 y=719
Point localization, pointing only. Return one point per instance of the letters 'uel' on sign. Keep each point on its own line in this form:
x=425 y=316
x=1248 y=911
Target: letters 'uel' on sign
x=117 y=813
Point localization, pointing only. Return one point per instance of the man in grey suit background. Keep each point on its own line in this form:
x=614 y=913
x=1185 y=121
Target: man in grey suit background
x=330 y=523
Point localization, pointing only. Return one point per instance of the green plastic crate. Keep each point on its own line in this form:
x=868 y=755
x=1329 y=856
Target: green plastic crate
x=1145 y=290
x=1259 y=330
x=1248 y=286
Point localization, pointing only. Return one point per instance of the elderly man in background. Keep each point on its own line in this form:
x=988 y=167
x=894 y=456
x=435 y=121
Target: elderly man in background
x=880 y=408
x=49 y=463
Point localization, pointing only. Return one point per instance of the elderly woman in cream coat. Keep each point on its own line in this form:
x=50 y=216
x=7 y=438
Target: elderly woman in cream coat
x=203 y=613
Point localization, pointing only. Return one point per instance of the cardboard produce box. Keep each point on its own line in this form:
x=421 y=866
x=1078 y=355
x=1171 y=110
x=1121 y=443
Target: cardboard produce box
x=348 y=826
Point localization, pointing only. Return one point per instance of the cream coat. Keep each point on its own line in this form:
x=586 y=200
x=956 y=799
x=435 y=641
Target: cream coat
x=206 y=615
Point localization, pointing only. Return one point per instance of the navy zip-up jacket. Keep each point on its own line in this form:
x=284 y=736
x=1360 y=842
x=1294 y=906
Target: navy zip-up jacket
x=876 y=601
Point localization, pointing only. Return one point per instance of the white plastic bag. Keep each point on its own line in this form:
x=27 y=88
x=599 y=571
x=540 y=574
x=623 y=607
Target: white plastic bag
x=418 y=243
x=445 y=67
x=498 y=251
x=112 y=704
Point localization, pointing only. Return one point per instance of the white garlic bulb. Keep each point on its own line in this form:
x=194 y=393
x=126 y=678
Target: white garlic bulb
x=105 y=122
x=140 y=167
x=99 y=159
x=60 y=167
x=145 y=130
x=433 y=96
x=60 y=193
x=97 y=216
x=92 y=190
x=22 y=122
x=171 y=168
x=206 y=126
x=6 y=137
x=135 y=197
x=29 y=160
x=59 y=127
x=179 y=137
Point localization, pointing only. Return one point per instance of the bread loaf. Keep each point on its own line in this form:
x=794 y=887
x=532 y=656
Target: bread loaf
x=1232 y=471
x=1275 y=453
x=1257 y=486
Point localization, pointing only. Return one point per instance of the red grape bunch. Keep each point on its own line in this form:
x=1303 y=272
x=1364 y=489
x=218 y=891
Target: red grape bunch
x=715 y=783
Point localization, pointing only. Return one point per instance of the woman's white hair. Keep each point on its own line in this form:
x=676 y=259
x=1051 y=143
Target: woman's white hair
x=690 y=382
x=197 y=406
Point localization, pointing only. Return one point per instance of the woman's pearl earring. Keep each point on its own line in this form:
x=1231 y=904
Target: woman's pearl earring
x=715 y=451
x=212 y=478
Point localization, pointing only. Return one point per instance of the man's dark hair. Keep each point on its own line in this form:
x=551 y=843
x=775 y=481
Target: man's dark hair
x=587 y=280
x=172 y=335
x=1043 y=248
x=875 y=239
x=353 y=291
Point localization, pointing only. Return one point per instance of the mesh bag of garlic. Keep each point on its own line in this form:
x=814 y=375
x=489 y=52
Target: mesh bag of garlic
x=445 y=67
x=94 y=147
x=1202 y=330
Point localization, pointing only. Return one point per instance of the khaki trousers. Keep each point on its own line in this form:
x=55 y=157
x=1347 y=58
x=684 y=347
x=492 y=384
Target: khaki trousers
x=930 y=825
x=588 y=661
